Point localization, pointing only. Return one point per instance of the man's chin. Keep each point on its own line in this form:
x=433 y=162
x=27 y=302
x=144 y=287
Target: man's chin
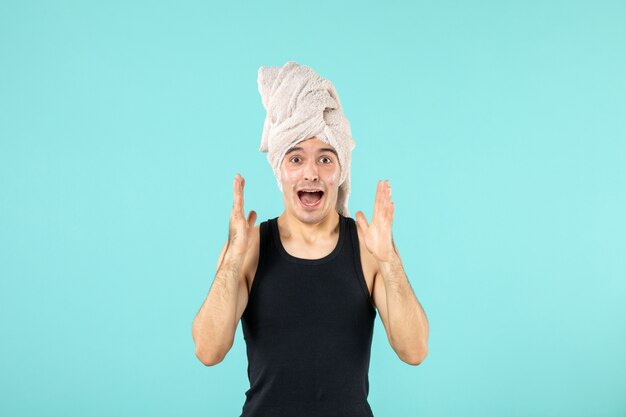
x=312 y=216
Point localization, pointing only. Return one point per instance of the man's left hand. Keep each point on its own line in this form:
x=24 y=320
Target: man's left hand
x=378 y=239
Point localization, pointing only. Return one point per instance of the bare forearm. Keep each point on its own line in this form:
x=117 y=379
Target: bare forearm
x=214 y=326
x=407 y=320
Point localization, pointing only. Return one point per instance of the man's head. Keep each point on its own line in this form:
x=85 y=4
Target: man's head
x=309 y=175
x=300 y=106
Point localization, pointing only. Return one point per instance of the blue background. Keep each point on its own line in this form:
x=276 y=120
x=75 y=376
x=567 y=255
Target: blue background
x=500 y=125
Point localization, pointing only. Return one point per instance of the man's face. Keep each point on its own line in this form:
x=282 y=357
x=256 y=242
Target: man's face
x=310 y=165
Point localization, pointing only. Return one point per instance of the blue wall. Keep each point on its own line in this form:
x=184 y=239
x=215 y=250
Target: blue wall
x=500 y=125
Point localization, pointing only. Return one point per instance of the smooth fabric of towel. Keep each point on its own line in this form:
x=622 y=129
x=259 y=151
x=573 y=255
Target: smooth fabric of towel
x=300 y=105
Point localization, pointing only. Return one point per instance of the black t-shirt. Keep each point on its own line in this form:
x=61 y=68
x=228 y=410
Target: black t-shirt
x=308 y=329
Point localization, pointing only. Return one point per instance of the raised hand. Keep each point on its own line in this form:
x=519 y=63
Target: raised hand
x=378 y=238
x=240 y=229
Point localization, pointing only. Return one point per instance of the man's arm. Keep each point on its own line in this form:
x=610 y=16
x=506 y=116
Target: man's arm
x=215 y=324
x=400 y=311
x=402 y=315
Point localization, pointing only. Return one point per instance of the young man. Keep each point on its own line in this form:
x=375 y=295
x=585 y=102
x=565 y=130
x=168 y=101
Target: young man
x=306 y=285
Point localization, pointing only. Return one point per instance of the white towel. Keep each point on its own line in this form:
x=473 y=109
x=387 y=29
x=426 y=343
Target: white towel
x=300 y=105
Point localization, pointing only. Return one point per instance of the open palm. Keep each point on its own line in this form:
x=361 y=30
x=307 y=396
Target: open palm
x=240 y=228
x=378 y=237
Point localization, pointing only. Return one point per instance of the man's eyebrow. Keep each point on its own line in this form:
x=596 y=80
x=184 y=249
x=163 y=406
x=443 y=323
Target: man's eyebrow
x=298 y=148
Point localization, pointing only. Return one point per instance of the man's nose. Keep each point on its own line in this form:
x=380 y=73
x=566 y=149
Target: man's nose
x=310 y=171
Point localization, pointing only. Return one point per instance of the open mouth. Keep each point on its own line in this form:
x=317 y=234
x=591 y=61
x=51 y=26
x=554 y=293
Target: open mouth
x=310 y=198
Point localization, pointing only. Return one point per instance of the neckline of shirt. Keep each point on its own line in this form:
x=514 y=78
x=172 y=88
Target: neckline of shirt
x=295 y=259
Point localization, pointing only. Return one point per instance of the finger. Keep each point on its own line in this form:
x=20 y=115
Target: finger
x=252 y=218
x=238 y=195
x=377 y=201
x=361 y=221
x=242 y=182
x=388 y=203
x=381 y=206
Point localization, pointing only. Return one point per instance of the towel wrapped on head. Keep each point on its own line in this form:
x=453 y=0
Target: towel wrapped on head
x=301 y=105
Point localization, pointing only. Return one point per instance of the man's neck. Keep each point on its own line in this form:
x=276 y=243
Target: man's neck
x=291 y=227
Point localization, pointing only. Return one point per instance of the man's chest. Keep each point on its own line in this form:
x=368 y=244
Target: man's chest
x=368 y=262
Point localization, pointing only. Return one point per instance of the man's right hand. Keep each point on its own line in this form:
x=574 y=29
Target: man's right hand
x=240 y=229
x=215 y=324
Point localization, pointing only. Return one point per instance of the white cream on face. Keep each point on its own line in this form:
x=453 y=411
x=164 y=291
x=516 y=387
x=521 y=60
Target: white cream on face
x=310 y=166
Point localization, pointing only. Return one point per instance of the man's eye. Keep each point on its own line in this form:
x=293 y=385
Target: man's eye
x=327 y=159
x=294 y=158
